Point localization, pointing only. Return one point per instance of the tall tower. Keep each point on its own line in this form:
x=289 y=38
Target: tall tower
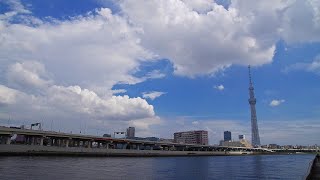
x=254 y=125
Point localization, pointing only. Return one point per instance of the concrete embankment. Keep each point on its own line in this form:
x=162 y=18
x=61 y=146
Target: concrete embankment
x=315 y=169
x=22 y=150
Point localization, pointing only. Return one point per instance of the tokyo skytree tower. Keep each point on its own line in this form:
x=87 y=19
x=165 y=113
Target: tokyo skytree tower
x=255 y=141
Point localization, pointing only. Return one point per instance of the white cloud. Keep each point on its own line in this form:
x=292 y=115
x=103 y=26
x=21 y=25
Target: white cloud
x=276 y=102
x=16 y=6
x=197 y=43
x=99 y=48
x=118 y=91
x=220 y=87
x=94 y=51
x=72 y=99
x=64 y=71
x=195 y=122
x=155 y=74
x=27 y=75
x=301 y=22
x=314 y=66
x=152 y=95
x=200 y=43
x=201 y=6
x=7 y=95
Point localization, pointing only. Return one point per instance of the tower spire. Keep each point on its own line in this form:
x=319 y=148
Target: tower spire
x=254 y=124
x=250 y=80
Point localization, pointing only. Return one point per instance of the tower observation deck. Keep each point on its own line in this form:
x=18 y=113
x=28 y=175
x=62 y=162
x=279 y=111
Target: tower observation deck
x=255 y=141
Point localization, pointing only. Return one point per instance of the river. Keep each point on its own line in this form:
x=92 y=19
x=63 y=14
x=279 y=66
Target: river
x=184 y=168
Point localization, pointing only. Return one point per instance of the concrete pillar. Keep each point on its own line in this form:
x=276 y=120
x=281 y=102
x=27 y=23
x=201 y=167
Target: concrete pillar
x=41 y=141
x=89 y=144
x=25 y=140
x=32 y=140
x=8 y=140
x=138 y=146
x=67 y=143
x=107 y=146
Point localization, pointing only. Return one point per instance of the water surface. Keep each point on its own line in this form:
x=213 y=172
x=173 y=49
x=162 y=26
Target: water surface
x=209 y=167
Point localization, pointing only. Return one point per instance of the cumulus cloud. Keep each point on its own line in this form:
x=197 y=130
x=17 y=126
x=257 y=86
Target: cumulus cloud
x=64 y=70
x=28 y=75
x=276 y=102
x=100 y=48
x=152 y=95
x=75 y=99
x=219 y=87
x=204 y=43
x=172 y=30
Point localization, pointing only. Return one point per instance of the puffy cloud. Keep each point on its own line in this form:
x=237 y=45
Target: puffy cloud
x=143 y=124
x=64 y=70
x=99 y=48
x=301 y=22
x=197 y=43
x=152 y=95
x=27 y=75
x=220 y=87
x=74 y=99
x=202 y=37
x=276 y=102
x=7 y=95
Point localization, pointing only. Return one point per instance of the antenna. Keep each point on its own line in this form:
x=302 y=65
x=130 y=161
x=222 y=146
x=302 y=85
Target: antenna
x=250 y=80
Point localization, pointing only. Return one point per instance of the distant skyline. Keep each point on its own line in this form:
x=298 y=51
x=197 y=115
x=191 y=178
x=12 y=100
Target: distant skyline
x=162 y=66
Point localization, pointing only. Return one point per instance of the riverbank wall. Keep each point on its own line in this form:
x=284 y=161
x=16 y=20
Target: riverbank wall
x=314 y=173
x=34 y=150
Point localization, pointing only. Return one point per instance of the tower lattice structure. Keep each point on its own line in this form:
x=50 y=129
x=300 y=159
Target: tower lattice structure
x=255 y=138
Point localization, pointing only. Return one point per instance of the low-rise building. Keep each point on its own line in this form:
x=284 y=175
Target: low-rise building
x=191 y=137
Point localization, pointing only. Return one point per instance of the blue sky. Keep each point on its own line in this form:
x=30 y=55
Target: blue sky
x=162 y=66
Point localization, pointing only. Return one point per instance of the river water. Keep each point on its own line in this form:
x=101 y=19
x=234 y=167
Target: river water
x=209 y=167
